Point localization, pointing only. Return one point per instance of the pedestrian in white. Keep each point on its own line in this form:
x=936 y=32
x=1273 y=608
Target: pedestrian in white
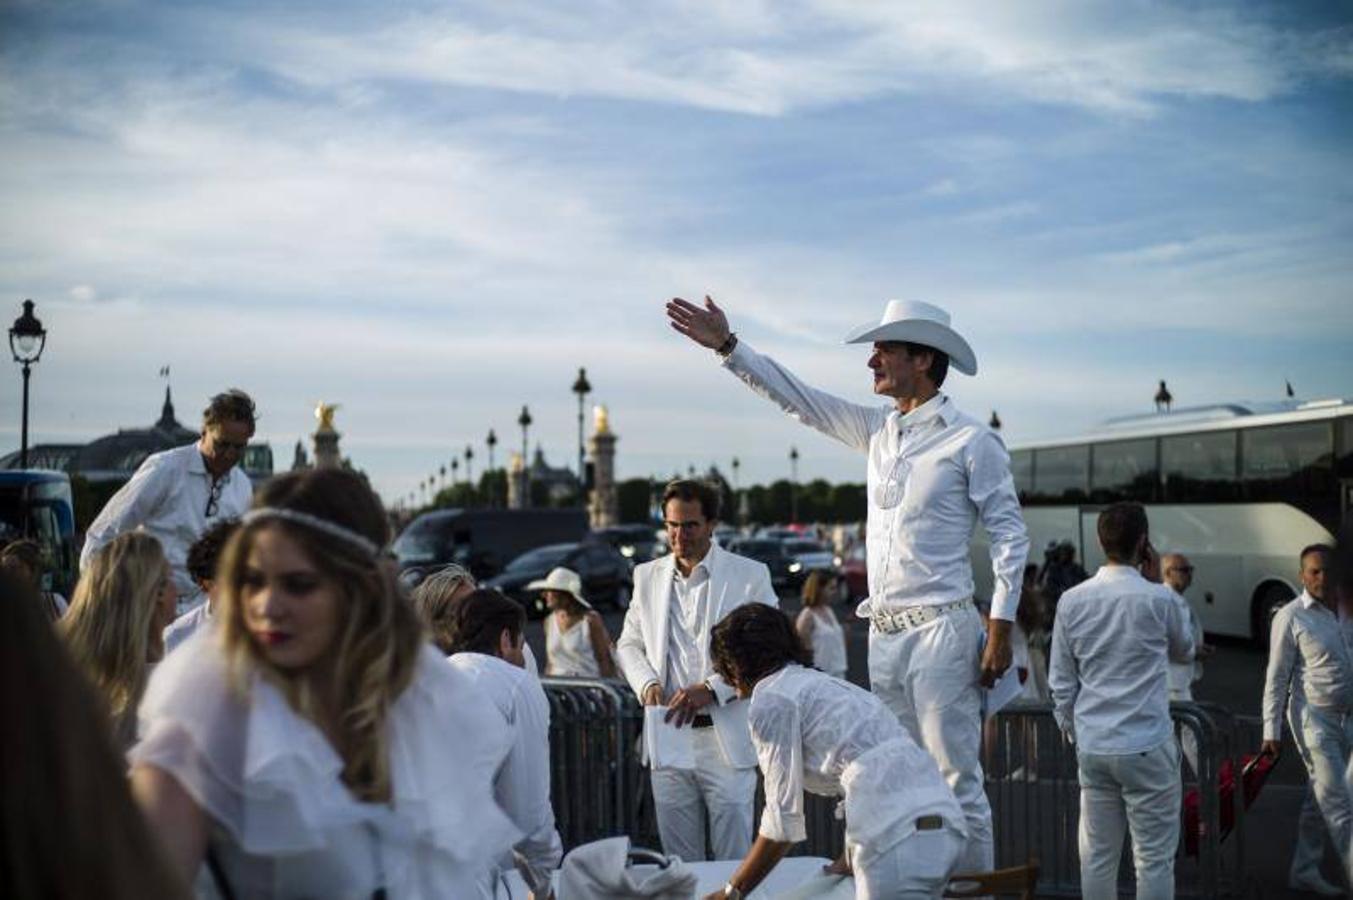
x=1177 y=574
x=487 y=637
x=576 y=642
x=904 y=828
x=1310 y=672
x=203 y=557
x=664 y=654
x=934 y=473
x=818 y=628
x=177 y=494
x=1112 y=641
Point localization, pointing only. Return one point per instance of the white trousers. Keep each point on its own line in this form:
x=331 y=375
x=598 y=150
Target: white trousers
x=1140 y=793
x=916 y=868
x=683 y=797
x=928 y=677
x=1324 y=740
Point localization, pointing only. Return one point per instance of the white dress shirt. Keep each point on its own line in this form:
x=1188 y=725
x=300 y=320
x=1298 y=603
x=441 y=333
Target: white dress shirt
x=1111 y=643
x=1308 y=659
x=687 y=628
x=522 y=785
x=822 y=734
x=933 y=474
x=186 y=625
x=167 y=497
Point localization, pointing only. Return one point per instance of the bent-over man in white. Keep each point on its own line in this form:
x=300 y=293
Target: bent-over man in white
x=934 y=473
x=1310 y=673
x=1112 y=641
x=663 y=652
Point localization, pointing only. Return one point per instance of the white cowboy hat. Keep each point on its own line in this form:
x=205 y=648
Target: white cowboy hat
x=920 y=323
x=561 y=579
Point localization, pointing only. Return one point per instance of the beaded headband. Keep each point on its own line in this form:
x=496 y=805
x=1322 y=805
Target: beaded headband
x=333 y=529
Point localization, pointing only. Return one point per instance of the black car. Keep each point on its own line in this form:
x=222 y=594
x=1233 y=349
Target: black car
x=482 y=540
x=608 y=579
x=637 y=543
x=785 y=571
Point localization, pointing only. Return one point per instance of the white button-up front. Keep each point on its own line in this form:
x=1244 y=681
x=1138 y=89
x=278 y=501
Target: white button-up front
x=167 y=497
x=1111 y=644
x=687 y=628
x=933 y=474
x=1308 y=660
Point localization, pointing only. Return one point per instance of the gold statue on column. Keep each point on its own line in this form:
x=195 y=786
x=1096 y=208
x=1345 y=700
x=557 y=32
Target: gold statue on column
x=325 y=413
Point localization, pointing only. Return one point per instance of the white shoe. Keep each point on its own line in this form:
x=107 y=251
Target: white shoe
x=1314 y=884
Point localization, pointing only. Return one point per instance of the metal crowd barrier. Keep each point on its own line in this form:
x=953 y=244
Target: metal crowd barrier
x=1034 y=791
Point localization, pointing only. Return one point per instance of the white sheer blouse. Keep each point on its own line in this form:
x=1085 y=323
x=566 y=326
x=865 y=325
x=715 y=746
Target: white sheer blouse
x=283 y=823
x=825 y=735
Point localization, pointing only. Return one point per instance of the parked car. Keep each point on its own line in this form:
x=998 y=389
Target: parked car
x=778 y=533
x=637 y=543
x=854 y=566
x=812 y=556
x=784 y=571
x=482 y=540
x=607 y=576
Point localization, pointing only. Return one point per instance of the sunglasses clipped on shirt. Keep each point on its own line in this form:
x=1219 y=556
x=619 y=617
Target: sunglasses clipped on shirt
x=214 y=497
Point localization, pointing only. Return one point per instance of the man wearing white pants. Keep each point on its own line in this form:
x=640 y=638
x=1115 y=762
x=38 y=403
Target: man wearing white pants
x=934 y=473
x=1310 y=671
x=1111 y=644
x=663 y=652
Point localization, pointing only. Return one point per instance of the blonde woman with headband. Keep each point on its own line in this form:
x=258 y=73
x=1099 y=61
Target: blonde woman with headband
x=312 y=743
x=113 y=629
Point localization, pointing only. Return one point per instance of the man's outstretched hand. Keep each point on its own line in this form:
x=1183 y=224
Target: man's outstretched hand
x=708 y=327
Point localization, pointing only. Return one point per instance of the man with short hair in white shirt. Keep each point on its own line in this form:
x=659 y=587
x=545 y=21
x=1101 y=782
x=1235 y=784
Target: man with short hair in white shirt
x=664 y=654
x=203 y=557
x=1112 y=641
x=177 y=494
x=934 y=473
x=485 y=631
x=1310 y=672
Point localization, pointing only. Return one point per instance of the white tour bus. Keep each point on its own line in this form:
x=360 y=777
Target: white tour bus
x=1239 y=489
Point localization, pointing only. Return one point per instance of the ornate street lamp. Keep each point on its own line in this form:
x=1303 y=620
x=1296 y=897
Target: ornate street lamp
x=524 y=420
x=26 y=340
x=469 y=465
x=492 y=441
x=455 y=469
x=582 y=388
x=794 y=484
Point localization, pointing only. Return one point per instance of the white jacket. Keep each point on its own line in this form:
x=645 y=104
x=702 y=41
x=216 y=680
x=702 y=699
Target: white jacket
x=642 y=648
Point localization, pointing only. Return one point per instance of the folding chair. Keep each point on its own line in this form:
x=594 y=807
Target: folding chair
x=1019 y=880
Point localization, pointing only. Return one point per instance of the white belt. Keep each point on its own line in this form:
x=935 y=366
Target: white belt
x=892 y=622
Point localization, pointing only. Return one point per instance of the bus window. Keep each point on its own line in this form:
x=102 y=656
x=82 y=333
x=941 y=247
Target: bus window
x=1345 y=466
x=1292 y=464
x=1062 y=473
x=1200 y=468
x=1022 y=468
x=1124 y=470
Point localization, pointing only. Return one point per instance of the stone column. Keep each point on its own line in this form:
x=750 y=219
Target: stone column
x=326 y=438
x=604 y=509
x=515 y=467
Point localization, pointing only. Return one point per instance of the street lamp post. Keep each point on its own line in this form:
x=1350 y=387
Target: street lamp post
x=492 y=441
x=794 y=484
x=524 y=420
x=455 y=470
x=469 y=466
x=26 y=340
x=582 y=388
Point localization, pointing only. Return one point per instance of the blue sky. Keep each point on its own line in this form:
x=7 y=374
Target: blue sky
x=433 y=213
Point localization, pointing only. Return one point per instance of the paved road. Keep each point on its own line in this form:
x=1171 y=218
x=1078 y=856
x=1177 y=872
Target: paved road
x=1233 y=678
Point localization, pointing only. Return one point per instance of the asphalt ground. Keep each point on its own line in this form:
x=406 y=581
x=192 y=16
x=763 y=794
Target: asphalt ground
x=1233 y=678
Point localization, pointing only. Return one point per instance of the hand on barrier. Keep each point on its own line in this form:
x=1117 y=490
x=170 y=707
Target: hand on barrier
x=687 y=703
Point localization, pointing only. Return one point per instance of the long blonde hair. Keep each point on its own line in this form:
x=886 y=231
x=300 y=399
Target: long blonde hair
x=108 y=625
x=815 y=589
x=379 y=635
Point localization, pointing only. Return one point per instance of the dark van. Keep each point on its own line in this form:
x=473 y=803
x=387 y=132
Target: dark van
x=36 y=504
x=484 y=540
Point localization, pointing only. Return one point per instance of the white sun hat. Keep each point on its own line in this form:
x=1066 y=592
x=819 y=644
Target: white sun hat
x=920 y=323
x=561 y=579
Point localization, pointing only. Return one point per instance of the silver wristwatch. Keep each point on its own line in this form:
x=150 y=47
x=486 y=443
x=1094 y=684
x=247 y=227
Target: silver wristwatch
x=732 y=893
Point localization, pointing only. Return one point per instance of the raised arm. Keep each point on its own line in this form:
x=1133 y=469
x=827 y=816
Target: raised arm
x=132 y=505
x=850 y=423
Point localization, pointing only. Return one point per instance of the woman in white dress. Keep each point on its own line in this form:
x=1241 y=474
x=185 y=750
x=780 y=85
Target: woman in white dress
x=576 y=642
x=818 y=626
x=311 y=743
x=904 y=829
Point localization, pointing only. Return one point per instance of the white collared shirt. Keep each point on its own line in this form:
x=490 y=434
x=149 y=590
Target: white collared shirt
x=1308 y=660
x=522 y=785
x=933 y=474
x=687 y=628
x=1111 y=642
x=167 y=498
x=186 y=625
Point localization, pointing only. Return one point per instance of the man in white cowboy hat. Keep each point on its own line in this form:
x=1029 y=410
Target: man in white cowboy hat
x=933 y=473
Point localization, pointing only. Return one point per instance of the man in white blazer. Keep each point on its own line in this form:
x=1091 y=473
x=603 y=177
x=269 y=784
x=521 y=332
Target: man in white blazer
x=664 y=653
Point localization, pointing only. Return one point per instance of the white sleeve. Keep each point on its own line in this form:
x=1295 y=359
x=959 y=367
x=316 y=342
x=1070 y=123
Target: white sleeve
x=1063 y=679
x=850 y=423
x=523 y=783
x=778 y=738
x=991 y=488
x=630 y=653
x=131 y=506
x=760 y=591
x=1282 y=662
x=1181 y=646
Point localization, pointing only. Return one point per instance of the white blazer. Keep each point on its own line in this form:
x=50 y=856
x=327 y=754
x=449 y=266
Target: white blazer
x=642 y=649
